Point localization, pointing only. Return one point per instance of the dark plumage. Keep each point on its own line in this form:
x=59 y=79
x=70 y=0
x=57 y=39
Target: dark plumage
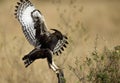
x=35 y=30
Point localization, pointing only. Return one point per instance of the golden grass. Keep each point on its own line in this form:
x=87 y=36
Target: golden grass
x=81 y=22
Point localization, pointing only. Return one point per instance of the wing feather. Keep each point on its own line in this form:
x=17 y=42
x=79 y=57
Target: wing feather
x=61 y=44
x=23 y=13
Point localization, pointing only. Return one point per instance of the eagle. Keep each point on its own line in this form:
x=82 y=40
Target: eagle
x=46 y=43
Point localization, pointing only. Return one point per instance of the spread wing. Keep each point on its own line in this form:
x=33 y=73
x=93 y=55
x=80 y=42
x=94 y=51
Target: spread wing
x=61 y=44
x=57 y=42
x=29 y=17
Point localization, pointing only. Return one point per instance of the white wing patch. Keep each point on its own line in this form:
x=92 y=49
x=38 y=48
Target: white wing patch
x=26 y=14
x=28 y=25
x=23 y=14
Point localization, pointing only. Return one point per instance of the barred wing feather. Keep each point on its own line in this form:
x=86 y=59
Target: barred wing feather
x=61 y=44
x=23 y=14
x=27 y=15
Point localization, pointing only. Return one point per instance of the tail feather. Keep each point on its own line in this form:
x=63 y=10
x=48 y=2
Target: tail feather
x=33 y=55
x=27 y=60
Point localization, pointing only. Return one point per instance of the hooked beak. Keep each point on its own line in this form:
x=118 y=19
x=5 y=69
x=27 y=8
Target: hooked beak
x=55 y=30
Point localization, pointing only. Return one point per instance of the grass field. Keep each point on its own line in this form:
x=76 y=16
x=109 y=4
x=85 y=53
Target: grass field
x=81 y=20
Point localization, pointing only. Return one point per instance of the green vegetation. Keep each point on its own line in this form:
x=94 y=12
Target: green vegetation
x=101 y=67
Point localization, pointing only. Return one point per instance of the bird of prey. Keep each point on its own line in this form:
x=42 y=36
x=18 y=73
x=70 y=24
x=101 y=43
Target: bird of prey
x=46 y=43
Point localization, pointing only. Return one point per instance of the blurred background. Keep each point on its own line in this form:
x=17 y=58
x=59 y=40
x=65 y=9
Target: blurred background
x=83 y=21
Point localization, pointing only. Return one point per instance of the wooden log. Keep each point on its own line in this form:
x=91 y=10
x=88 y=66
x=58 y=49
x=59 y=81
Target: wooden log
x=60 y=76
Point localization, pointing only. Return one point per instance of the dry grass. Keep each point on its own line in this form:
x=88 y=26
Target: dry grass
x=80 y=20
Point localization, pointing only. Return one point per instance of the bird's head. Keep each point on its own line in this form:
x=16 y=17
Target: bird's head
x=37 y=16
x=58 y=34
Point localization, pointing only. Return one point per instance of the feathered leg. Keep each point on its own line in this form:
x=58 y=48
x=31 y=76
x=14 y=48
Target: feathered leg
x=53 y=66
x=51 y=62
